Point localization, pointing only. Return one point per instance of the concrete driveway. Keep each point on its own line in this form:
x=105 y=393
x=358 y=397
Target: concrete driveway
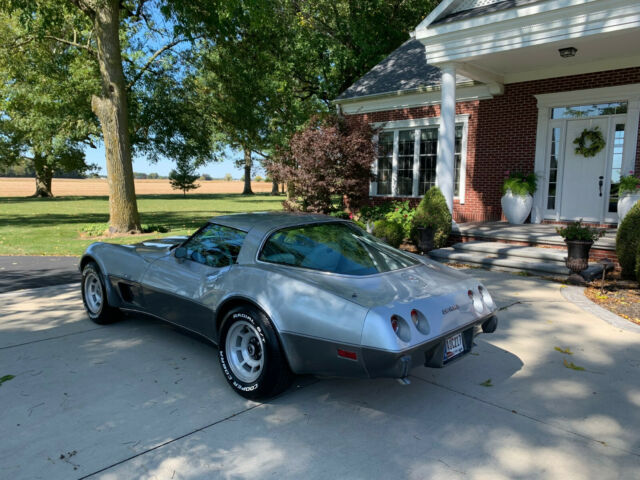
x=138 y=399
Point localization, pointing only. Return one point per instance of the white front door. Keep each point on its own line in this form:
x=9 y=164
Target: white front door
x=584 y=179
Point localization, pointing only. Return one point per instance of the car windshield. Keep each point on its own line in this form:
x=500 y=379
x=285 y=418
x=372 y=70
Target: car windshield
x=215 y=245
x=333 y=247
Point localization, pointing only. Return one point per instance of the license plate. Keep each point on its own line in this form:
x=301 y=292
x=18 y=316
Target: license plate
x=453 y=347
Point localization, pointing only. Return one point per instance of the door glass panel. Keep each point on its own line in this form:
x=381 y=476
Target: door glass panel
x=385 y=161
x=428 y=157
x=616 y=167
x=553 y=168
x=406 y=143
x=581 y=111
x=457 y=160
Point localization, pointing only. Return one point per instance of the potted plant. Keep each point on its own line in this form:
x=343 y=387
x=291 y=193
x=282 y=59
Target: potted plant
x=517 y=198
x=431 y=221
x=628 y=194
x=579 y=239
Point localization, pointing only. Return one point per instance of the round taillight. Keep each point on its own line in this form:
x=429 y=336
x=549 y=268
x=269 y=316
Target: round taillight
x=400 y=328
x=420 y=321
x=476 y=301
x=394 y=323
x=486 y=297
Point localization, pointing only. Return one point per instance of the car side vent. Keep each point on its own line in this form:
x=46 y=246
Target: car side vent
x=125 y=292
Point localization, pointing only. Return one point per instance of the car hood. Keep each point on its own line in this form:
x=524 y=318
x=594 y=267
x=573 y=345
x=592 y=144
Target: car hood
x=156 y=248
x=421 y=281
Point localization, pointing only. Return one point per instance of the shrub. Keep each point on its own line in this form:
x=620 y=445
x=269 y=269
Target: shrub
x=341 y=214
x=403 y=214
x=577 y=231
x=371 y=213
x=520 y=183
x=433 y=212
x=330 y=157
x=628 y=242
x=390 y=232
x=629 y=184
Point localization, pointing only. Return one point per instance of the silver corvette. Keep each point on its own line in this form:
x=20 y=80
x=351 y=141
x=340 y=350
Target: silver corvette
x=283 y=294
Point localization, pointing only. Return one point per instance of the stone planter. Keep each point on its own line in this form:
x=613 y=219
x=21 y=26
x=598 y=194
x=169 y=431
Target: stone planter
x=578 y=255
x=625 y=202
x=425 y=239
x=516 y=207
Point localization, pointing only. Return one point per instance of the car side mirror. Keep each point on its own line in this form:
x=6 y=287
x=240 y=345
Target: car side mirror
x=181 y=252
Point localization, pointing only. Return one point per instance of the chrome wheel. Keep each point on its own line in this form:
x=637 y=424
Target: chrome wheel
x=93 y=295
x=245 y=351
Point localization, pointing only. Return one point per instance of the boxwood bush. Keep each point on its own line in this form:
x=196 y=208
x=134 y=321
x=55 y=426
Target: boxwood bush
x=433 y=212
x=390 y=232
x=628 y=242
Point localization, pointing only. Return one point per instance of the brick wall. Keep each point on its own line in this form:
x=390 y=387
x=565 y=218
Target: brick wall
x=502 y=134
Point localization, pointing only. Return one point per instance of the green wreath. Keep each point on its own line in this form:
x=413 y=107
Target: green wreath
x=595 y=139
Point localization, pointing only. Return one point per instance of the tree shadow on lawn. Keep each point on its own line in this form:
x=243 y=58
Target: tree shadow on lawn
x=166 y=196
x=172 y=220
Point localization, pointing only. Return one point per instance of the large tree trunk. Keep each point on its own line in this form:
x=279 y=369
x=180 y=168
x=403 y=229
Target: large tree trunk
x=247 y=172
x=274 y=188
x=44 y=176
x=111 y=110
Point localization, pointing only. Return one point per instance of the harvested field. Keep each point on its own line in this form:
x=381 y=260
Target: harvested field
x=62 y=187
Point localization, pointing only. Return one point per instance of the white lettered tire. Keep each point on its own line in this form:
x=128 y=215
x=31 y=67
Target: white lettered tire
x=94 y=296
x=250 y=354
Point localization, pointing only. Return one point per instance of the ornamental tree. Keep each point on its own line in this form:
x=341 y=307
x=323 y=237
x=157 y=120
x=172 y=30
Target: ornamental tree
x=184 y=177
x=329 y=157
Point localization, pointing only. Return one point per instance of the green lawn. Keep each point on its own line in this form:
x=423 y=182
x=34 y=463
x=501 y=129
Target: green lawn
x=58 y=226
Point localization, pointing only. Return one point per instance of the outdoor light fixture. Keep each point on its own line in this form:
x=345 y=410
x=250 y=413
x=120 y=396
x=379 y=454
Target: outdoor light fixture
x=567 y=52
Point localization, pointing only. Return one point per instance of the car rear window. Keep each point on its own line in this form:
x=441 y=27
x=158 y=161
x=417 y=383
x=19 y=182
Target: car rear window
x=333 y=247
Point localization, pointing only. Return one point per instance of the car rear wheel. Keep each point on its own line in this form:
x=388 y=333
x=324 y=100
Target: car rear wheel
x=250 y=355
x=94 y=296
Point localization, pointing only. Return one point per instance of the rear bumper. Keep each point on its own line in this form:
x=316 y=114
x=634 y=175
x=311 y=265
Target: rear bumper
x=380 y=363
x=320 y=357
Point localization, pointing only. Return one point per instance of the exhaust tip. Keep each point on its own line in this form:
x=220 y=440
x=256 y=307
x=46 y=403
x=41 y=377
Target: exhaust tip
x=490 y=326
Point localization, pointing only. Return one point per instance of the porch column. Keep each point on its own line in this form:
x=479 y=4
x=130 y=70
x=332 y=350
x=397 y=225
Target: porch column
x=447 y=134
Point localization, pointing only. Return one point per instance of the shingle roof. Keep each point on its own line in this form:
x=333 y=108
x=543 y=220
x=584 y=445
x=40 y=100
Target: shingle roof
x=483 y=10
x=404 y=69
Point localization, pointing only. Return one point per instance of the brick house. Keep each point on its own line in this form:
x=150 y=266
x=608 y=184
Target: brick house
x=487 y=86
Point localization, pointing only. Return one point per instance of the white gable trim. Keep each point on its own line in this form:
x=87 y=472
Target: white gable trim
x=442 y=8
x=529 y=25
x=411 y=100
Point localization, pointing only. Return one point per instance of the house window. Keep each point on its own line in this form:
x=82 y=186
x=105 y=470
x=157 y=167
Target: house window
x=582 y=111
x=428 y=157
x=616 y=167
x=553 y=169
x=417 y=153
x=406 y=147
x=385 y=163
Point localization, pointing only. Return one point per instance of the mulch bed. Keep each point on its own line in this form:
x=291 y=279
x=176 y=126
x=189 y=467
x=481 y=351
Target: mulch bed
x=621 y=297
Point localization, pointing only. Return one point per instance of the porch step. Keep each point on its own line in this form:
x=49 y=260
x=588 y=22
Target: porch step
x=501 y=256
x=509 y=250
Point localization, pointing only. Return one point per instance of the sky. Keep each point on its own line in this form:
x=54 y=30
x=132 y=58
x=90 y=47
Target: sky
x=164 y=165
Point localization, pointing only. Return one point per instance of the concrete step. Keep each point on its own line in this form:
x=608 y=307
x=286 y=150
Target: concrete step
x=508 y=250
x=532 y=266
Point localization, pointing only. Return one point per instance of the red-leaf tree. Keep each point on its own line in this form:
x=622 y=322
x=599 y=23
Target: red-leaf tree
x=329 y=158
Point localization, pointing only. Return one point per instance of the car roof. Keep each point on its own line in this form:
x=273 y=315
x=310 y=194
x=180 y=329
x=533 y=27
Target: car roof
x=267 y=221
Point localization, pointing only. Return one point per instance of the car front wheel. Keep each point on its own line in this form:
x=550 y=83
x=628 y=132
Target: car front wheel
x=94 y=296
x=250 y=355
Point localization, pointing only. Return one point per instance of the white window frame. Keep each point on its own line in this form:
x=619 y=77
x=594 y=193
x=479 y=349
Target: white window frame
x=417 y=124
